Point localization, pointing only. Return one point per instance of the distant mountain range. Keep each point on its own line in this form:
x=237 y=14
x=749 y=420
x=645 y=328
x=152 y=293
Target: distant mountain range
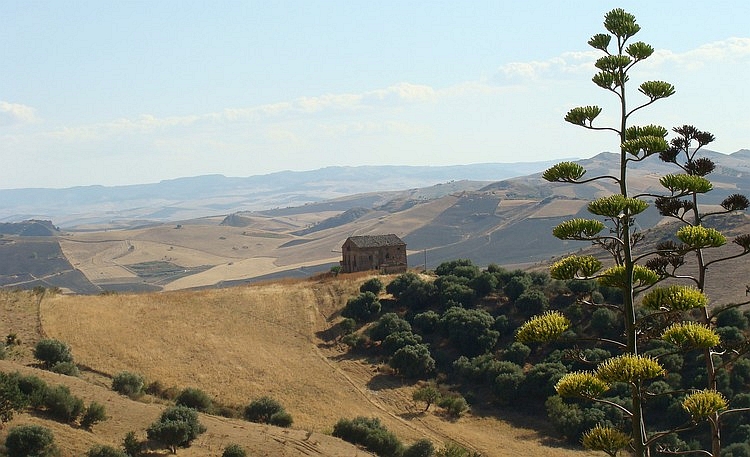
x=200 y=196
x=215 y=231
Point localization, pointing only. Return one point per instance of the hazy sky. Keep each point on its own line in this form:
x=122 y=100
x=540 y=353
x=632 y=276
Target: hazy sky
x=125 y=92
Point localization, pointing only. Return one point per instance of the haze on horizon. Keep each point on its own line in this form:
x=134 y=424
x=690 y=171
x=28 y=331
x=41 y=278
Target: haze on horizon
x=116 y=93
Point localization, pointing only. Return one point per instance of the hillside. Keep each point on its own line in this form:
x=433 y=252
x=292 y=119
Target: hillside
x=507 y=222
x=265 y=339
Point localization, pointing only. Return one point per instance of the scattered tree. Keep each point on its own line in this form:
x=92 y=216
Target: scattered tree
x=51 y=352
x=427 y=394
x=177 y=427
x=100 y=450
x=194 y=398
x=93 y=414
x=30 y=441
x=234 y=450
x=127 y=383
x=266 y=410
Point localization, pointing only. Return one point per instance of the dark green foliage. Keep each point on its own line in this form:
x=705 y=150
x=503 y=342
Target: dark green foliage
x=732 y=317
x=362 y=307
x=51 y=352
x=516 y=286
x=100 y=450
x=421 y=448
x=347 y=325
x=411 y=291
x=387 y=324
x=127 y=383
x=266 y=410
x=93 y=414
x=11 y=397
x=427 y=321
x=34 y=388
x=730 y=336
x=509 y=378
x=355 y=341
x=30 y=441
x=539 y=278
x=194 y=398
x=459 y=267
x=177 y=427
x=413 y=361
x=454 y=405
x=62 y=405
x=540 y=381
x=471 y=330
x=532 y=302
x=740 y=375
x=234 y=450
x=427 y=394
x=66 y=368
x=516 y=353
x=373 y=285
x=370 y=433
x=397 y=340
x=454 y=289
x=455 y=450
x=484 y=284
x=571 y=421
x=736 y=450
x=605 y=322
x=131 y=444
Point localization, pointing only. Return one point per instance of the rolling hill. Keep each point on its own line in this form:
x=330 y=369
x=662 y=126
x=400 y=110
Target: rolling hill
x=506 y=222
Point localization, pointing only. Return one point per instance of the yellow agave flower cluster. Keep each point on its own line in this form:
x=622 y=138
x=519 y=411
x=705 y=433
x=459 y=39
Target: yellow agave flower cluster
x=624 y=368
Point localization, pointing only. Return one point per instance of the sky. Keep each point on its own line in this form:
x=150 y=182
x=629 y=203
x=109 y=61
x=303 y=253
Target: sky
x=131 y=92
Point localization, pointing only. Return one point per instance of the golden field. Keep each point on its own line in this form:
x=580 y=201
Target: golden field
x=238 y=344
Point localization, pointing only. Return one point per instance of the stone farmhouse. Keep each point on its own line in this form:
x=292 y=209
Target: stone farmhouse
x=384 y=253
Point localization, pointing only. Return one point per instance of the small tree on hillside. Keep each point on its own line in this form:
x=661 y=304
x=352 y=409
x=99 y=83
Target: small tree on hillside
x=177 y=427
x=30 y=441
x=51 y=352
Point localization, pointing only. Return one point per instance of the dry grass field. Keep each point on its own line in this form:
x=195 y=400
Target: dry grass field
x=238 y=344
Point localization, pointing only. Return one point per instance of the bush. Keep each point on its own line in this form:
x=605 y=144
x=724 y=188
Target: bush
x=455 y=405
x=177 y=427
x=362 y=307
x=66 y=368
x=427 y=394
x=370 y=433
x=470 y=329
x=131 y=444
x=62 y=405
x=427 y=321
x=281 y=419
x=11 y=397
x=94 y=414
x=234 y=450
x=387 y=324
x=51 y=352
x=194 y=398
x=397 y=340
x=127 y=383
x=34 y=388
x=266 y=410
x=100 y=450
x=373 y=285
x=30 y=441
x=421 y=448
x=531 y=302
x=413 y=361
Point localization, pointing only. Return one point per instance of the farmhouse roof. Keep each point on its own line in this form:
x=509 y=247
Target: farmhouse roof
x=375 y=241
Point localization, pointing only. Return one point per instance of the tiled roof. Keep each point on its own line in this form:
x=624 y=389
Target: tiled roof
x=375 y=241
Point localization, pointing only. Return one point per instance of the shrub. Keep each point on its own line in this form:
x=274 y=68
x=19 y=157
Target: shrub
x=100 y=450
x=470 y=329
x=127 y=383
x=66 y=368
x=194 y=398
x=370 y=433
x=421 y=448
x=397 y=340
x=387 y=324
x=177 y=427
x=427 y=394
x=373 y=285
x=455 y=405
x=62 y=405
x=93 y=414
x=531 y=302
x=413 y=361
x=427 y=321
x=51 y=352
x=234 y=450
x=34 y=388
x=131 y=444
x=30 y=441
x=267 y=410
x=281 y=419
x=11 y=397
x=362 y=307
